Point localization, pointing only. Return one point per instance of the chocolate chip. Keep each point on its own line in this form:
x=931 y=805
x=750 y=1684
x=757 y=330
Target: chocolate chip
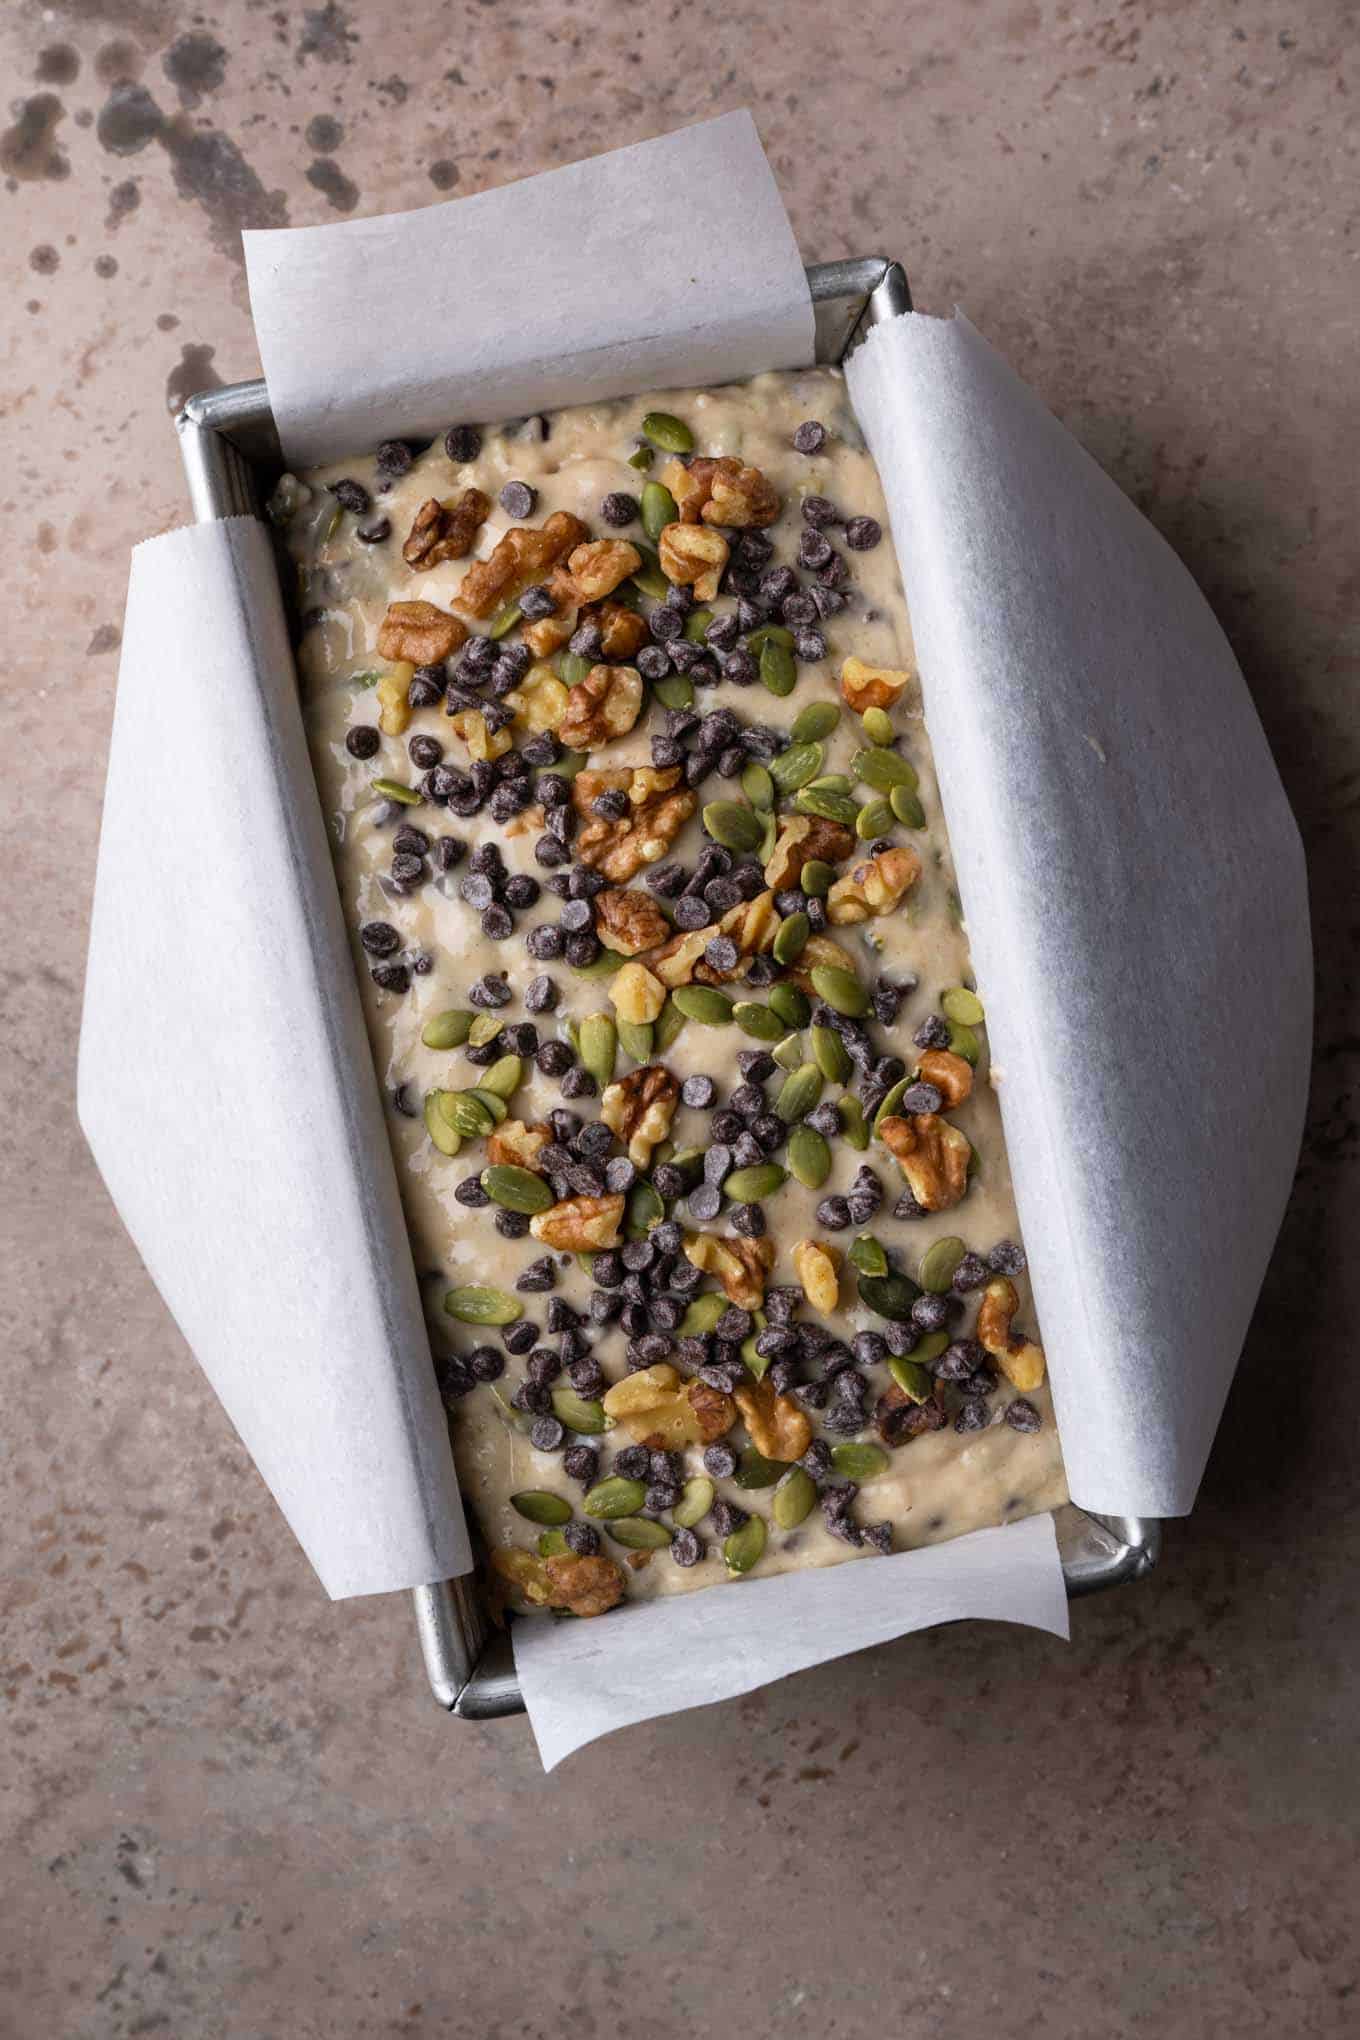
x=577 y=1083
x=363 y=741
x=722 y=954
x=970 y=1274
x=705 y=1201
x=973 y=1416
x=582 y=1463
x=691 y=913
x=379 y=938
x=810 y=436
x=375 y=532
x=407 y=870
x=394 y=459
x=462 y=442
x=1021 y=1415
x=833 y=1213
x=582 y=1538
x=393 y=977
x=686 y=1548
x=1006 y=1258
x=699 y=1091
x=618 y=508
x=517 y=500
x=933 y=1032
x=810 y=646
x=512 y=1225
x=727 y=1517
x=490 y=991
x=351 y=495
x=862 y=534
x=497 y=923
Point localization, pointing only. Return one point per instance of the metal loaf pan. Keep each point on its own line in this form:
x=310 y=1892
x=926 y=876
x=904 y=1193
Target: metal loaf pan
x=232 y=457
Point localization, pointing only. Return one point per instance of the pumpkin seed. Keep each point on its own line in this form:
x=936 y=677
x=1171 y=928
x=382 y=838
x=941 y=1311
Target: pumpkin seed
x=472 y=1305
x=788 y=1053
x=748 y=1186
x=798 y=1093
x=641 y=457
x=796 y=766
x=754 y=1470
x=648 y=579
x=792 y=1006
x=907 y=807
x=393 y=789
x=815 y=721
x=696 y=1499
x=599 y=1042
x=702 y=1003
x=467 y=1115
x=579 y=1413
x=444 y=1136
x=537 y=1505
x=834 y=782
x=874 y=819
x=889 y=1296
x=696 y=623
x=573 y=669
x=859 y=1462
x=830 y=1054
x=504 y=1077
x=877 y=725
x=778 y=674
x=640 y=1533
x=635 y=1039
x=490 y=1101
x=891 y=1100
x=644 y=1209
x=867 y=1257
x=769 y=634
x=809 y=1156
x=604 y=966
x=675 y=690
x=958 y=1003
x=816 y=878
x=938 y=1263
x=768 y=839
x=659 y=509
x=754 y=1363
x=853 y=1128
x=447 y=1030
x=517 y=1189
x=841 y=990
x=743 y=1548
x=911 y=1377
x=758 y=1021
x=667 y=431
x=794 y=1498
x=504 y=620
x=830 y=807
x=702 y=1314
x=964 y=1042
x=732 y=824
x=551 y=1543
x=666 y=1027
x=484 y=1028
x=615 y=1497
x=883 y=769
x=517 y=1420
x=757 y=785
x=690 y=1163
x=791 y=939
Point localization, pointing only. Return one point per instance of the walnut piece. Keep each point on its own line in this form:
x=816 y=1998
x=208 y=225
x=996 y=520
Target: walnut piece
x=601 y=707
x=639 y=1108
x=657 y=1409
x=598 y=567
x=897 y=1419
x=692 y=553
x=445 y=531
x=548 y=634
x=740 y=1265
x=721 y=491
x=523 y=1572
x=778 y=1427
x=817 y=1267
x=629 y=920
x=394 y=705
x=470 y=725
x=932 y=1155
x=752 y=925
x=514 y=1142
x=540 y=700
x=523 y=555
x=420 y=632
x=949 y=1073
x=580 y=1225
x=588 y=1586
x=1021 y=1360
x=658 y=805
x=636 y=995
x=874 y=887
x=622 y=631
x=871 y=686
x=676 y=961
x=801 y=839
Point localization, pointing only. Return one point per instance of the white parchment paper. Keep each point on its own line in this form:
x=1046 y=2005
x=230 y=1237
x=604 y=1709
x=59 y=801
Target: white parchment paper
x=666 y=263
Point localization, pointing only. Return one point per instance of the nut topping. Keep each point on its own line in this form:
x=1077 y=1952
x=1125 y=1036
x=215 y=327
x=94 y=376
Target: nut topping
x=512 y=1141
x=420 y=633
x=639 y=1108
x=817 y=1268
x=658 y=805
x=445 y=531
x=778 y=1427
x=660 y=1411
x=874 y=887
x=692 y=553
x=601 y=707
x=629 y=921
x=871 y=686
x=801 y=840
x=636 y=995
x=580 y=1225
x=721 y=491
x=598 y=567
x=1020 y=1359
x=932 y=1155
x=949 y=1073
x=587 y=1586
x=740 y=1265
x=520 y=557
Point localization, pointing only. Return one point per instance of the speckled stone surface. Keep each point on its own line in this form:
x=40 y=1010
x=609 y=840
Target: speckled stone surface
x=231 y=1808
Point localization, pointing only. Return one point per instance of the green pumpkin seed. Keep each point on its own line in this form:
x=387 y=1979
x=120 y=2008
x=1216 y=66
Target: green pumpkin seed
x=841 y=990
x=867 y=1257
x=445 y=1137
x=748 y=1186
x=690 y=1163
x=640 y=1533
x=792 y=1006
x=881 y=768
x=754 y=1363
x=644 y=1209
x=958 y=1003
x=733 y=824
x=907 y=808
x=517 y=1420
x=473 y=1305
x=648 y=579
x=573 y=669
x=696 y=623
x=809 y=1156
x=504 y=620
x=788 y=1053
x=517 y=1189
x=874 y=819
x=504 y=1077
x=769 y=634
x=798 y=1093
x=604 y=966
x=667 y=431
x=768 y=840
x=833 y=782
x=666 y=1027
x=877 y=725
x=579 y=1413
x=791 y=939
x=537 y=1505
x=757 y=785
x=490 y=1101
x=641 y=457
x=796 y=766
x=853 y=1128
x=447 y=1030
x=744 y=1547
x=615 y=1497
x=814 y=722
x=794 y=1499
x=484 y=1028
x=635 y=1039
x=696 y=1499
x=816 y=878
x=659 y=508
x=911 y=1377
x=758 y=1021
x=551 y=1544
x=831 y=807
x=702 y=1003
x=778 y=673
x=675 y=690
x=859 y=1462
x=702 y=1314
x=938 y=1263
x=892 y=1099
x=754 y=1470
x=467 y=1115
x=889 y=1296
x=393 y=789
x=830 y=1055
x=964 y=1042
x=599 y=1042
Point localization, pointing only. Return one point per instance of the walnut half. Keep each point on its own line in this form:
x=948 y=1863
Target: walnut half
x=740 y=1265
x=420 y=633
x=601 y=707
x=692 y=553
x=932 y=1155
x=639 y=1108
x=580 y=1225
x=657 y=806
x=874 y=887
x=628 y=920
x=521 y=556
x=1021 y=1360
x=445 y=531
x=778 y=1427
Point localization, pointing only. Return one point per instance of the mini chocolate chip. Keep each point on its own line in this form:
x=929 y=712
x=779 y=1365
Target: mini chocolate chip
x=577 y=1083
x=700 y=1091
x=862 y=534
x=618 y=508
x=833 y=1213
x=705 y=1201
x=1006 y=1258
x=810 y=646
x=820 y=510
x=374 y=532
x=517 y=500
x=379 y=938
x=582 y=1538
x=363 y=741
x=462 y=442
x=351 y=495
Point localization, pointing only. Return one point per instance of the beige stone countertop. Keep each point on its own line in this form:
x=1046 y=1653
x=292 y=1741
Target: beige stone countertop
x=231 y=1808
